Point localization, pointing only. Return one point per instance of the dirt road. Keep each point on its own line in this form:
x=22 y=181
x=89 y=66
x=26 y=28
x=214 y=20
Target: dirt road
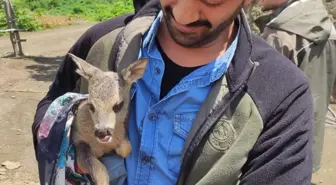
x=33 y=73
x=23 y=82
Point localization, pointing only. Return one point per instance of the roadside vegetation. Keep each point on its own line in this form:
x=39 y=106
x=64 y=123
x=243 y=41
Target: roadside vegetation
x=33 y=15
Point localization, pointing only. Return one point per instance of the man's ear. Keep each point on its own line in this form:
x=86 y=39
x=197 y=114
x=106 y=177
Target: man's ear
x=134 y=71
x=85 y=69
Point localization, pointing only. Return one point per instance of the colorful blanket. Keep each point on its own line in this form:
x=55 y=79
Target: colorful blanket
x=56 y=153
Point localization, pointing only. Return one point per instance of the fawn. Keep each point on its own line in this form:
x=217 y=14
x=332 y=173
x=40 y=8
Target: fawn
x=99 y=124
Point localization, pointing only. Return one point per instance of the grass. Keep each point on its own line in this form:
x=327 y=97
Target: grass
x=33 y=15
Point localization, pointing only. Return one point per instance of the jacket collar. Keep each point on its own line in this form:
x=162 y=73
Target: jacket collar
x=241 y=66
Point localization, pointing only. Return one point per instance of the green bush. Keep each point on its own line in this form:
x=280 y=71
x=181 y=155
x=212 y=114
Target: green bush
x=3 y=23
x=27 y=20
x=102 y=12
x=91 y=10
x=94 y=11
x=28 y=11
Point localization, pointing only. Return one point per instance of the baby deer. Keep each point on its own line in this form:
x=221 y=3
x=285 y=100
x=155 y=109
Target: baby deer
x=99 y=124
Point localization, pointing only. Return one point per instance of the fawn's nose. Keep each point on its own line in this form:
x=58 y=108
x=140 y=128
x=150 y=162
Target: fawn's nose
x=102 y=133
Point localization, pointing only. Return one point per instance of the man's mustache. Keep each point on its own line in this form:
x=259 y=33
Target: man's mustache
x=169 y=14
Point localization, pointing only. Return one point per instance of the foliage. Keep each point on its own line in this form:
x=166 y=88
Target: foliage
x=97 y=10
x=29 y=12
x=27 y=19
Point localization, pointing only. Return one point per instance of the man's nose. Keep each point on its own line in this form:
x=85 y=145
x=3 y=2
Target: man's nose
x=185 y=11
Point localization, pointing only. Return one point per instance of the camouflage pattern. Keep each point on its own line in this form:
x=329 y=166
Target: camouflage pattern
x=257 y=18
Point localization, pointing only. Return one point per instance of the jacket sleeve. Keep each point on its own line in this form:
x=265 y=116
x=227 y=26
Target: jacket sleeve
x=283 y=152
x=66 y=77
x=281 y=42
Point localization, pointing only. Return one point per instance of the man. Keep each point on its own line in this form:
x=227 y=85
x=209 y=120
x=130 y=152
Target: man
x=216 y=104
x=302 y=31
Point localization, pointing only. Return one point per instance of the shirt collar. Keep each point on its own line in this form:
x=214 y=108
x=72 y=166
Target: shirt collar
x=149 y=40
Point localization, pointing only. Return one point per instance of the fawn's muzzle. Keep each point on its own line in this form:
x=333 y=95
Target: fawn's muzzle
x=103 y=134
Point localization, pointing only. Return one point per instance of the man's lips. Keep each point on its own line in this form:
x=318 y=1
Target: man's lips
x=185 y=29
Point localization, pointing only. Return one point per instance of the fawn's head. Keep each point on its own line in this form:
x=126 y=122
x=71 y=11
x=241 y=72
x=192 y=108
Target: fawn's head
x=109 y=94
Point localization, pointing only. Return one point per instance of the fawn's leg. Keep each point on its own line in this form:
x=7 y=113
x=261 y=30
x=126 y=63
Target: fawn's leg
x=90 y=164
x=124 y=149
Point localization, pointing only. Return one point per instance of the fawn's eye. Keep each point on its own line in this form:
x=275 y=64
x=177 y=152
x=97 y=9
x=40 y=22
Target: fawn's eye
x=117 y=107
x=91 y=107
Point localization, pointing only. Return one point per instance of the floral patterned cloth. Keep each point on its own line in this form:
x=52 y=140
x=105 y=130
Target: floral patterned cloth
x=56 y=153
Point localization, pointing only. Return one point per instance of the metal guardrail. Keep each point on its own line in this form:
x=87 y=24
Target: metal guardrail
x=12 y=30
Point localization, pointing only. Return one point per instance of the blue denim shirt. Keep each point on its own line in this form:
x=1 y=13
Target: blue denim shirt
x=158 y=128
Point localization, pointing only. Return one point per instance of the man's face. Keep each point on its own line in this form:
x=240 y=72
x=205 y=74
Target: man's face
x=267 y=5
x=195 y=23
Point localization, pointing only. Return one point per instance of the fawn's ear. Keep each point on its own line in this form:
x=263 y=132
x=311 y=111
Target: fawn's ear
x=134 y=71
x=85 y=69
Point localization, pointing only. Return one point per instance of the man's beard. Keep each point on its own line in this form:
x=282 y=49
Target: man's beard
x=195 y=40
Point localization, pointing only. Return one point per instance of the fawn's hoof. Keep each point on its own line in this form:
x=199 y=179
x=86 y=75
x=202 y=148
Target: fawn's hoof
x=124 y=149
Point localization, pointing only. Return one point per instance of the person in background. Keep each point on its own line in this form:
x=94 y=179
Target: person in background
x=302 y=31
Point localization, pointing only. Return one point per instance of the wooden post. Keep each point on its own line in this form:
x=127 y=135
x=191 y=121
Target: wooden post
x=12 y=28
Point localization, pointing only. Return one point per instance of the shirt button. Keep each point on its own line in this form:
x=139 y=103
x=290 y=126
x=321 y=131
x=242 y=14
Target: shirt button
x=152 y=116
x=146 y=159
x=157 y=71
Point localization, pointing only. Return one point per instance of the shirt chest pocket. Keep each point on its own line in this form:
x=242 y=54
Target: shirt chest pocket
x=181 y=127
